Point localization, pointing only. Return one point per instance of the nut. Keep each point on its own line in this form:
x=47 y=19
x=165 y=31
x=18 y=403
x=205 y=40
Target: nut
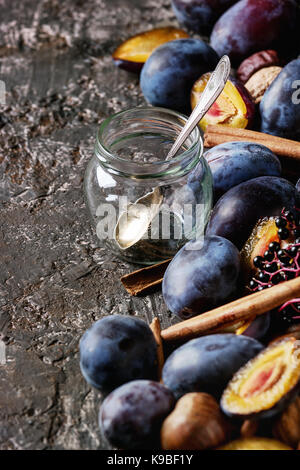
x=255 y=62
x=196 y=423
x=287 y=427
x=249 y=428
x=260 y=81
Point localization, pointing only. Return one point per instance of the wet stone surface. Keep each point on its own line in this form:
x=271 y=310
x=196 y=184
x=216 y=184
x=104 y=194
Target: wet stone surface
x=55 y=61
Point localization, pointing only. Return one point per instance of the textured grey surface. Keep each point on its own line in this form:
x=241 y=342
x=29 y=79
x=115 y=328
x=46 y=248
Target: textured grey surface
x=55 y=60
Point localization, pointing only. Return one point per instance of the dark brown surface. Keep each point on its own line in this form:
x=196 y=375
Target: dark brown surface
x=55 y=281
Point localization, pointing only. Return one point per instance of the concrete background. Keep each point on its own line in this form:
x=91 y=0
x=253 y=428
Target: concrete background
x=55 y=62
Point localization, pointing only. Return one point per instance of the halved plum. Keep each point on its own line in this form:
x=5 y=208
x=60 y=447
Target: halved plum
x=266 y=384
x=270 y=253
x=133 y=53
x=264 y=233
x=234 y=107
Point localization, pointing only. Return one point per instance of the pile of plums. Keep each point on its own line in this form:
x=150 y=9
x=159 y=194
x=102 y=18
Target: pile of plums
x=255 y=35
x=209 y=380
x=205 y=382
x=243 y=373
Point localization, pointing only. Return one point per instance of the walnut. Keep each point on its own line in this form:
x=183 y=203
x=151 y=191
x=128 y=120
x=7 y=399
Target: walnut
x=260 y=81
x=255 y=62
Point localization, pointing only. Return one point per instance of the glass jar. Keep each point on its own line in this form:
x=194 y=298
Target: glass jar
x=143 y=207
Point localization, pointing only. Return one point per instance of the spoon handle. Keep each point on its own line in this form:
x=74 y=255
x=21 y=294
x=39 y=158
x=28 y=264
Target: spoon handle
x=213 y=89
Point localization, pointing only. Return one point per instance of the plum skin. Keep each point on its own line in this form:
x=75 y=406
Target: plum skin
x=171 y=70
x=233 y=163
x=117 y=349
x=203 y=274
x=238 y=210
x=132 y=415
x=280 y=107
x=200 y=15
x=250 y=26
x=259 y=327
x=206 y=364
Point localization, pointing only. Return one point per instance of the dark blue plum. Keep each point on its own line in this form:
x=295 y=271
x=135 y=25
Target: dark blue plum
x=259 y=327
x=171 y=70
x=250 y=26
x=207 y=364
x=203 y=274
x=233 y=163
x=280 y=106
x=237 y=211
x=117 y=349
x=132 y=415
x=200 y=15
x=298 y=186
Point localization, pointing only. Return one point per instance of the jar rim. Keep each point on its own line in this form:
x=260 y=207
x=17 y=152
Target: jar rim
x=106 y=156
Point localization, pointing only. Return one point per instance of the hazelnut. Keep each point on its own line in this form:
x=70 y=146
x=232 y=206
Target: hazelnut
x=287 y=427
x=249 y=428
x=255 y=62
x=196 y=423
x=259 y=82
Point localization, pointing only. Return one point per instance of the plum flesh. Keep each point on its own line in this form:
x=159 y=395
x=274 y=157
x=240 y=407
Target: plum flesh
x=133 y=53
x=234 y=107
x=266 y=384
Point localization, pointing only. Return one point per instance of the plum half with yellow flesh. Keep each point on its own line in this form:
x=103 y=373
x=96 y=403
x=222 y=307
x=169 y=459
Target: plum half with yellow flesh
x=133 y=53
x=265 y=385
x=264 y=233
x=234 y=107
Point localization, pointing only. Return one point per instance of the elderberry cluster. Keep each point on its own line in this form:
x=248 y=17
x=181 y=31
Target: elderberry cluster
x=290 y=312
x=278 y=264
x=281 y=264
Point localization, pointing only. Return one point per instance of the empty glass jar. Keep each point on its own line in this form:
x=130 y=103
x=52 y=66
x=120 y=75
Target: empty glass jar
x=143 y=207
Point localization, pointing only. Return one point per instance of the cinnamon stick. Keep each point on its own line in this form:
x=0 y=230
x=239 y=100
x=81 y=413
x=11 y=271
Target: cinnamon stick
x=156 y=330
x=220 y=134
x=228 y=314
x=145 y=279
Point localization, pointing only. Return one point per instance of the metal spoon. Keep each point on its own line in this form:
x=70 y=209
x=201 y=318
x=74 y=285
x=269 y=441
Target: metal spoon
x=133 y=223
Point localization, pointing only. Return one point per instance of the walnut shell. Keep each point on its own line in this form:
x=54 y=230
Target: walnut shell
x=259 y=82
x=196 y=423
x=287 y=427
x=255 y=62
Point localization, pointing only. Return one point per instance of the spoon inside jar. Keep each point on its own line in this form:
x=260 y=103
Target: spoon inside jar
x=134 y=222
